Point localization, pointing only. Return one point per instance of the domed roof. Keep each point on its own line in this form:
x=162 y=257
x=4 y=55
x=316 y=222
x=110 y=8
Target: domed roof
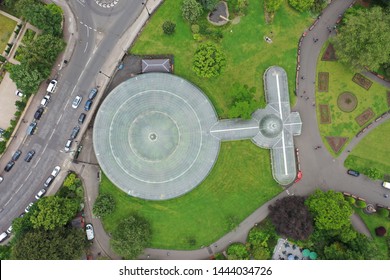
x=271 y=126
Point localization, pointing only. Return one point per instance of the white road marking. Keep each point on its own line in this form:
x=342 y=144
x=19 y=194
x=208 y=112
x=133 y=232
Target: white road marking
x=280 y=112
x=87 y=30
x=59 y=119
x=233 y=129
x=86 y=46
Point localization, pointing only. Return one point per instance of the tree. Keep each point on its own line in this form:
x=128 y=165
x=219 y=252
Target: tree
x=191 y=10
x=131 y=236
x=53 y=211
x=237 y=251
x=372 y=173
x=168 y=27
x=5 y=252
x=301 y=5
x=329 y=209
x=380 y=231
x=272 y=5
x=46 y=17
x=383 y=212
x=363 y=38
x=25 y=78
x=361 y=204
x=318 y=6
x=208 y=5
x=243 y=103
x=208 y=61
x=59 y=244
x=104 y=205
x=291 y=217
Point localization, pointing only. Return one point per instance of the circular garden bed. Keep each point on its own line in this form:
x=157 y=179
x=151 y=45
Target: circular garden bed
x=347 y=102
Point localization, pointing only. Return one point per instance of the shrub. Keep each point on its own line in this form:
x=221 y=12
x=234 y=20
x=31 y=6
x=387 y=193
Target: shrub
x=301 y=5
x=2 y=58
x=195 y=28
x=272 y=5
x=2 y=146
x=208 y=61
x=237 y=251
x=168 y=27
x=383 y=212
x=380 y=231
x=361 y=204
x=351 y=200
x=104 y=205
x=191 y=10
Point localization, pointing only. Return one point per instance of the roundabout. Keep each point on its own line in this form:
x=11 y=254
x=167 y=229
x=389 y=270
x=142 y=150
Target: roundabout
x=152 y=136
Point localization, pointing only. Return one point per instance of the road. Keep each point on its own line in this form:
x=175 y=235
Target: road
x=92 y=33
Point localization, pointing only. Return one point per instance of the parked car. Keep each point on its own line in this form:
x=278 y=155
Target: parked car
x=89 y=231
x=9 y=166
x=48 y=181
x=16 y=155
x=27 y=209
x=55 y=171
x=82 y=118
x=88 y=105
x=38 y=113
x=45 y=100
x=76 y=102
x=3 y=236
x=9 y=230
x=40 y=194
x=31 y=128
x=1 y=179
x=1 y=131
x=353 y=172
x=29 y=156
x=52 y=86
x=74 y=133
x=19 y=93
x=92 y=93
x=68 y=145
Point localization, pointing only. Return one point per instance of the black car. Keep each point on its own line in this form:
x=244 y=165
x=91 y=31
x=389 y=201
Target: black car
x=16 y=155
x=38 y=113
x=82 y=118
x=29 y=156
x=9 y=166
x=75 y=131
x=353 y=172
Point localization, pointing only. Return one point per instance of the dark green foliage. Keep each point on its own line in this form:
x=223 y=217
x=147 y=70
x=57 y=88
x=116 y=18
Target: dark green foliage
x=219 y=256
x=131 y=236
x=272 y=5
x=243 y=103
x=261 y=241
x=208 y=5
x=291 y=217
x=372 y=173
x=169 y=27
x=237 y=251
x=104 y=205
x=383 y=212
x=301 y=5
x=5 y=252
x=238 y=7
x=20 y=104
x=361 y=204
x=350 y=199
x=2 y=59
x=208 y=61
x=318 y=6
x=59 y=244
x=191 y=10
x=2 y=146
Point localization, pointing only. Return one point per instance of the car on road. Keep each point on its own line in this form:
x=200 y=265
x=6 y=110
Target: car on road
x=55 y=171
x=49 y=181
x=74 y=133
x=3 y=236
x=9 y=230
x=82 y=118
x=27 y=209
x=52 y=86
x=38 y=113
x=76 y=102
x=16 y=155
x=45 y=100
x=29 y=155
x=386 y=185
x=89 y=231
x=31 y=128
x=68 y=145
x=19 y=93
x=92 y=93
x=9 y=166
x=88 y=105
x=40 y=194
x=353 y=172
x=1 y=179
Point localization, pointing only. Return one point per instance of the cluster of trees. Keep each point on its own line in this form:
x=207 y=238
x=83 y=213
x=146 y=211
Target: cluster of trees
x=208 y=60
x=104 y=205
x=38 y=56
x=242 y=102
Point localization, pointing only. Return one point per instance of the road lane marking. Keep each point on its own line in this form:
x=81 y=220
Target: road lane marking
x=59 y=119
x=86 y=46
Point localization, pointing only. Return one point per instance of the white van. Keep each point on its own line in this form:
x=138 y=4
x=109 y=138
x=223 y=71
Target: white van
x=52 y=86
x=3 y=236
x=386 y=185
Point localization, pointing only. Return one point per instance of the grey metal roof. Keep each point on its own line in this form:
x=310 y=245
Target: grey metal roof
x=152 y=136
x=156 y=65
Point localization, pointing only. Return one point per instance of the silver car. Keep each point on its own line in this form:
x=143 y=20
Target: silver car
x=76 y=102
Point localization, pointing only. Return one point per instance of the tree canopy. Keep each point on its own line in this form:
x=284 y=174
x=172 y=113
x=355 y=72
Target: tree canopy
x=363 y=38
x=191 y=10
x=131 y=236
x=301 y=5
x=273 y=5
x=242 y=102
x=208 y=61
x=329 y=209
x=291 y=217
x=237 y=251
x=104 y=205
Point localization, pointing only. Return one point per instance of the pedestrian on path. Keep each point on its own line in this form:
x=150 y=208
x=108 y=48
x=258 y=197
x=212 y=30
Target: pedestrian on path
x=302 y=77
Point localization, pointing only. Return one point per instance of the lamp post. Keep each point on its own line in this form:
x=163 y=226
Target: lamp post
x=104 y=74
x=144 y=3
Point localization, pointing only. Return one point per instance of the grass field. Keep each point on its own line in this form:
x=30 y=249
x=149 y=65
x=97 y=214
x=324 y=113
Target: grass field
x=372 y=151
x=373 y=221
x=340 y=80
x=7 y=25
x=240 y=182
x=247 y=54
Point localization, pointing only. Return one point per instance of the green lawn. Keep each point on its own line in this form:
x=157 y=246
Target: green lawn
x=372 y=151
x=340 y=80
x=240 y=182
x=247 y=54
x=7 y=25
x=373 y=221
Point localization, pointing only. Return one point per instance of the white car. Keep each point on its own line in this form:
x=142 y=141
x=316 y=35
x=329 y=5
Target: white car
x=52 y=86
x=3 y=236
x=76 y=102
x=55 y=171
x=45 y=100
x=1 y=179
x=9 y=230
x=19 y=93
x=28 y=207
x=89 y=231
x=40 y=194
x=68 y=145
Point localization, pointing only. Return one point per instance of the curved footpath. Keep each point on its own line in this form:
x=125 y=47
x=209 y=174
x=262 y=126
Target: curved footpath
x=320 y=169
